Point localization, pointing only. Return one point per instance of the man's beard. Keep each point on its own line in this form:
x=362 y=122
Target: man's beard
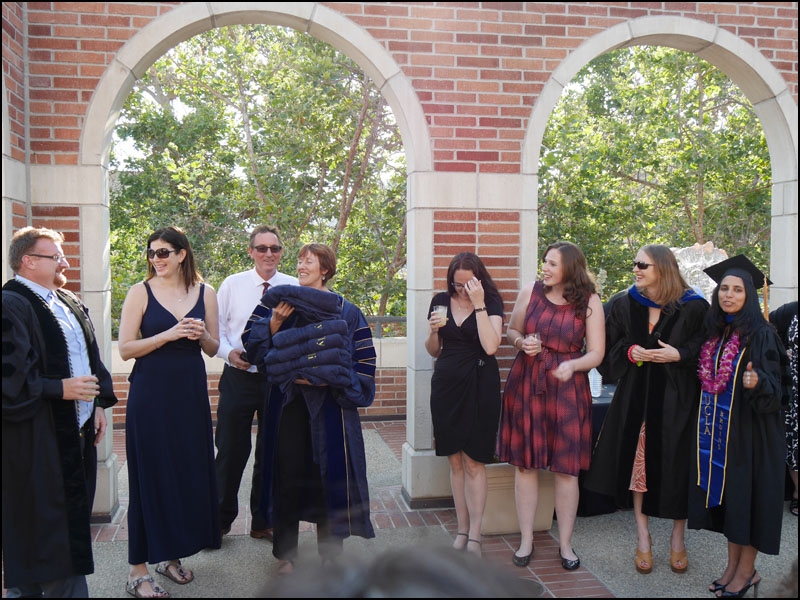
x=60 y=280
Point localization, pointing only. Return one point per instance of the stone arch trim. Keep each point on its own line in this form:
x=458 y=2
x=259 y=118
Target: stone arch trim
x=313 y=18
x=744 y=65
x=185 y=21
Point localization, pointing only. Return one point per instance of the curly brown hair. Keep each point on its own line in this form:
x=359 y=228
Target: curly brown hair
x=577 y=281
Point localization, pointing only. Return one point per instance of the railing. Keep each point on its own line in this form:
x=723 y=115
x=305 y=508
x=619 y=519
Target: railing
x=387 y=326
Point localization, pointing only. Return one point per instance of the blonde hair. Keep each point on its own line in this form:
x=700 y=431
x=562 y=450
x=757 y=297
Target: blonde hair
x=25 y=239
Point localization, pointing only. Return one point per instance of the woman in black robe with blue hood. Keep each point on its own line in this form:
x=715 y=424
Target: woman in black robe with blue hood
x=643 y=453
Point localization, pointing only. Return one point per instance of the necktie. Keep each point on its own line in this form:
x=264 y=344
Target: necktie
x=266 y=286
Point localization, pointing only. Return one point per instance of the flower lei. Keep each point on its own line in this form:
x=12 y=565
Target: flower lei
x=710 y=383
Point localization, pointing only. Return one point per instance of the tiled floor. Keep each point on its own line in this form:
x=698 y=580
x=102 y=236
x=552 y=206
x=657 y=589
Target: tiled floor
x=390 y=511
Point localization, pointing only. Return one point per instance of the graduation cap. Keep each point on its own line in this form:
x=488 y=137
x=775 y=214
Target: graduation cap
x=741 y=262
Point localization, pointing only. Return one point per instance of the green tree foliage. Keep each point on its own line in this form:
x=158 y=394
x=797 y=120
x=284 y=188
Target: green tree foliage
x=254 y=124
x=653 y=145
x=246 y=125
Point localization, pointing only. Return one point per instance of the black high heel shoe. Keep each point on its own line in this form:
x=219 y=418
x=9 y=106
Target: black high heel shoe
x=569 y=565
x=740 y=594
x=522 y=561
x=717 y=586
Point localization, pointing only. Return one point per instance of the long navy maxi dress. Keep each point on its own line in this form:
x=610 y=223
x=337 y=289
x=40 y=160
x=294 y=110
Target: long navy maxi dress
x=173 y=510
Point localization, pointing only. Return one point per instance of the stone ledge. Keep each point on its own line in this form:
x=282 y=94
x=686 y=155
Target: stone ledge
x=500 y=516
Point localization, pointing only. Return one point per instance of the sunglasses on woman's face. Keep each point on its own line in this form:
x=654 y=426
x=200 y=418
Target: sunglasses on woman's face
x=160 y=253
x=642 y=266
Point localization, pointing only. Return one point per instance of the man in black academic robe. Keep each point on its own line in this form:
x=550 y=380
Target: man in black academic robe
x=49 y=459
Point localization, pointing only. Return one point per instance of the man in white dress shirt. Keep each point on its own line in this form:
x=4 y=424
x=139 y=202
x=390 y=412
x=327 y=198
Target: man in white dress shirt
x=242 y=389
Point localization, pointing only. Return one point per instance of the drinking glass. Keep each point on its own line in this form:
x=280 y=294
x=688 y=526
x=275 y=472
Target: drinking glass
x=441 y=311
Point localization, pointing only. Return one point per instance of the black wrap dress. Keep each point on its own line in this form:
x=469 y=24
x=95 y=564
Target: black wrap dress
x=465 y=388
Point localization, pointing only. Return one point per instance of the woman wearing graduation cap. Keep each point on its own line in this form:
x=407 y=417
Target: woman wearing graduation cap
x=737 y=487
x=653 y=335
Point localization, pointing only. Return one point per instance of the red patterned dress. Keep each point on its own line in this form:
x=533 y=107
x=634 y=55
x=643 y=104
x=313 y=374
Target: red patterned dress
x=546 y=422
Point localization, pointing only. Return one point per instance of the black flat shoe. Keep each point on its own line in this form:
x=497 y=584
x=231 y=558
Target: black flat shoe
x=569 y=565
x=522 y=561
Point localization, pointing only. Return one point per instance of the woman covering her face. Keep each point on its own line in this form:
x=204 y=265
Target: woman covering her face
x=465 y=387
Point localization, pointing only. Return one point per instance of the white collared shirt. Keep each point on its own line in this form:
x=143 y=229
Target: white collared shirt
x=237 y=297
x=76 y=342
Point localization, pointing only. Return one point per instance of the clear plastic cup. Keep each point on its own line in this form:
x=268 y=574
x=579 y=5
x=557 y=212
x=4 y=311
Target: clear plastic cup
x=441 y=311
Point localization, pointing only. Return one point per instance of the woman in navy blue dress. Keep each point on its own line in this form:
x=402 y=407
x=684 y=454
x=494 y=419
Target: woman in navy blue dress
x=167 y=321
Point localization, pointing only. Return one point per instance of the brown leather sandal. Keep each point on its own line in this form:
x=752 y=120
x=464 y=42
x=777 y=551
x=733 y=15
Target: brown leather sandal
x=644 y=560
x=678 y=561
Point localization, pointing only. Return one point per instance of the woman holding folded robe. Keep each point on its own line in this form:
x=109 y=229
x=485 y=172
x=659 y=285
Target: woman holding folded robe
x=316 y=349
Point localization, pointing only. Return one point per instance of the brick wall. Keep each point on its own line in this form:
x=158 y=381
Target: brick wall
x=65 y=219
x=477 y=68
x=14 y=76
x=390 y=396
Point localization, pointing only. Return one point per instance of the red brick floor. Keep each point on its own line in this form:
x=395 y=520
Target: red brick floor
x=390 y=511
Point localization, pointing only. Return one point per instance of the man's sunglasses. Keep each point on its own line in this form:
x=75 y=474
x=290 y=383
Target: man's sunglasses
x=160 y=253
x=263 y=249
x=642 y=266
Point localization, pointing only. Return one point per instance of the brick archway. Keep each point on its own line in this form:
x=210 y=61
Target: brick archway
x=746 y=67
x=139 y=53
x=472 y=87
